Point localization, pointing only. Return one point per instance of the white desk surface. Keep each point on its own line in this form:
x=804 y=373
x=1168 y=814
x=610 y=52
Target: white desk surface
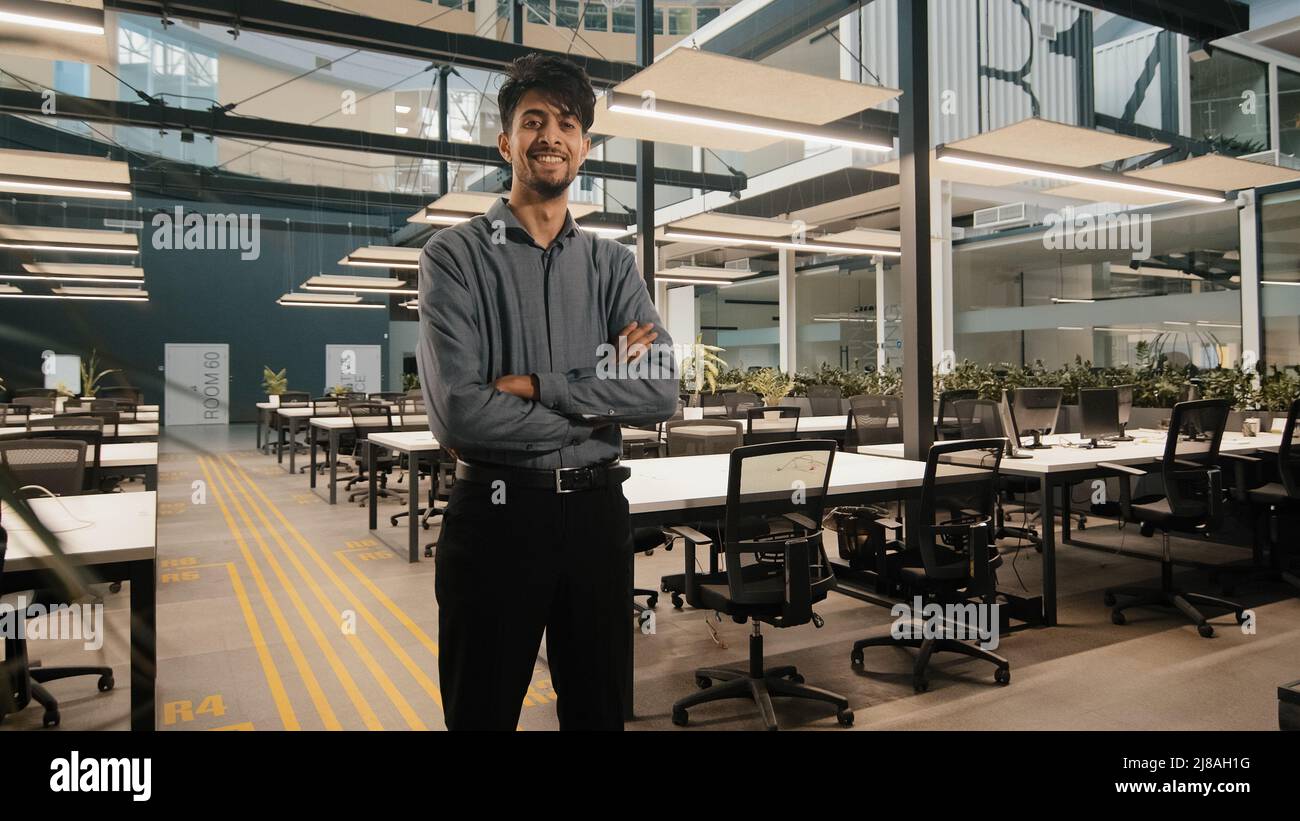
x=686 y=482
x=345 y=422
x=1148 y=446
x=138 y=416
x=128 y=454
x=638 y=435
x=411 y=441
x=124 y=430
x=306 y=412
x=122 y=527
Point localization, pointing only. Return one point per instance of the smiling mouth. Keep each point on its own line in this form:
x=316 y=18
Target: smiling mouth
x=548 y=159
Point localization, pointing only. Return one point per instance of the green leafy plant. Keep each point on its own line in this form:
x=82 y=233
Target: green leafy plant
x=90 y=373
x=771 y=384
x=339 y=390
x=274 y=382
x=701 y=367
x=410 y=381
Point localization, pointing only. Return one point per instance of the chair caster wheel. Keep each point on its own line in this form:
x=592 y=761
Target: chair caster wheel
x=1241 y=617
x=1206 y=631
x=1002 y=676
x=663 y=588
x=703 y=682
x=679 y=717
x=652 y=600
x=50 y=719
x=920 y=685
x=678 y=601
x=856 y=659
x=1108 y=599
x=115 y=587
x=428 y=552
x=796 y=678
x=105 y=683
x=845 y=718
x=392 y=520
x=1117 y=617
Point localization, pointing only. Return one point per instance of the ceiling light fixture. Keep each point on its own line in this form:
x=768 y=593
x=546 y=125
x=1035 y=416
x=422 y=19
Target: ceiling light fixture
x=1277 y=282
x=624 y=103
x=326 y=301
x=705 y=238
x=57 y=16
x=68 y=240
x=384 y=256
x=374 y=285
x=1061 y=300
x=1067 y=173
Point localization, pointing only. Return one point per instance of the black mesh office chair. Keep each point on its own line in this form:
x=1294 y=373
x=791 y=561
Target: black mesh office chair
x=682 y=444
x=737 y=403
x=958 y=567
x=1193 y=504
x=948 y=426
x=368 y=418
x=776 y=423
x=86 y=429
x=125 y=392
x=294 y=396
x=776 y=569
x=56 y=467
x=109 y=420
x=874 y=420
x=825 y=400
x=1268 y=490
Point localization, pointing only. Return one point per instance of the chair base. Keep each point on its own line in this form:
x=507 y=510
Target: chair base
x=757 y=685
x=1179 y=600
x=40 y=675
x=928 y=647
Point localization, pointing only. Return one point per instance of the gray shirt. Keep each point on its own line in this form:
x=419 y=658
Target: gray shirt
x=494 y=302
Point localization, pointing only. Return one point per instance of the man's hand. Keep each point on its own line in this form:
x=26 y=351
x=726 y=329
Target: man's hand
x=635 y=340
x=522 y=385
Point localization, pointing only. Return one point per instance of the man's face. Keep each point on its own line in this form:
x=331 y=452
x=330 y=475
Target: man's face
x=545 y=146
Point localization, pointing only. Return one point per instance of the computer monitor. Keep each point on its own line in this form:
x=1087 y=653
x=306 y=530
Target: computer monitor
x=1009 y=429
x=1125 y=411
x=1099 y=409
x=1036 y=410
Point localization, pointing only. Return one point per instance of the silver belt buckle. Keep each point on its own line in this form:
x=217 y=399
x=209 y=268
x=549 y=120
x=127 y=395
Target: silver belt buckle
x=559 y=480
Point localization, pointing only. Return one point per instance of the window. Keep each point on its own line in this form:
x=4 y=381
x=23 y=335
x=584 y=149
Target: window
x=1229 y=95
x=659 y=21
x=624 y=19
x=1279 y=274
x=596 y=17
x=1288 y=112
x=173 y=69
x=679 y=21
x=704 y=15
x=539 y=11
x=566 y=13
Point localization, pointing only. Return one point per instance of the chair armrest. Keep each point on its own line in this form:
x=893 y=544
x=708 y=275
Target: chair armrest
x=1118 y=468
x=1241 y=457
x=801 y=520
x=798 y=582
x=690 y=534
x=890 y=524
x=1247 y=473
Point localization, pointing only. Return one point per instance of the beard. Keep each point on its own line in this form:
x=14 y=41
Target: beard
x=544 y=188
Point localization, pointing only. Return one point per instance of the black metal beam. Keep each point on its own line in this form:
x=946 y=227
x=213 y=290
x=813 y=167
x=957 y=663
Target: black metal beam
x=645 y=157
x=777 y=25
x=1198 y=19
x=221 y=124
x=359 y=31
x=914 y=192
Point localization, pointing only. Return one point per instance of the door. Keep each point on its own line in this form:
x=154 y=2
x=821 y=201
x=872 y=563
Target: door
x=198 y=384
x=354 y=366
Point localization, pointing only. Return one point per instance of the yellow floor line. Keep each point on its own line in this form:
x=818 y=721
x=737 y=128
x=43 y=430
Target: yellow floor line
x=278 y=692
x=409 y=715
x=323 y=708
x=416 y=672
x=389 y=604
x=367 y=714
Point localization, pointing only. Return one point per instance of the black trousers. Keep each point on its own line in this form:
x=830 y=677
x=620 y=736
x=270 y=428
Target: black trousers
x=509 y=568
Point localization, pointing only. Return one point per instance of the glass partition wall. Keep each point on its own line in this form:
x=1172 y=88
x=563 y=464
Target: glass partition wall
x=1279 y=274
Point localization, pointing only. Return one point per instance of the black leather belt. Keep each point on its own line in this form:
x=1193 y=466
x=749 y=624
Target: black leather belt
x=560 y=480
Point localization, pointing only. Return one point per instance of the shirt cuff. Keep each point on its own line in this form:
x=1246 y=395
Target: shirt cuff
x=553 y=390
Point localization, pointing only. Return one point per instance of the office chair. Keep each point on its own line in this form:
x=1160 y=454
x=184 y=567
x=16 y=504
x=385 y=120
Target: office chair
x=646 y=540
x=86 y=429
x=737 y=403
x=948 y=427
x=36 y=404
x=126 y=392
x=1274 y=506
x=386 y=396
x=45 y=393
x=320 y=406
x=825 y=400
x=368 y=418
x=980 y=419
x=774 y=574
x=781 y=429
x=294 y=396
x=869 y=418
x=11 y=414
x=1193 y=504
x=40 y=467
x=109 y=420
x=953 y=536
x=442 y=476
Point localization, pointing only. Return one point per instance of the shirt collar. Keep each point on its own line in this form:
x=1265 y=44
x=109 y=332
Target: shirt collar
x=500 y=210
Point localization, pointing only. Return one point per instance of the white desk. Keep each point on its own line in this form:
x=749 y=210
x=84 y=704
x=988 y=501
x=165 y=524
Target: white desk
x=119 y=543
x=413 y=444
x=334 y=427
x=126 y=432
x=139 y=415
x=1064 y=466
x=128 y=458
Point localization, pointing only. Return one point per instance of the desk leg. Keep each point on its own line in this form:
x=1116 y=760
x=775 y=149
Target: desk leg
x=1066 y=490
x=413 y=529
x=261 y=417
x=334 y=466
x=150 y=477
x=311 y=480
x=279 y=440
x=293 y=441
x=144 y=661
x=372 y=485
x=628 y=712
x=1049 y=554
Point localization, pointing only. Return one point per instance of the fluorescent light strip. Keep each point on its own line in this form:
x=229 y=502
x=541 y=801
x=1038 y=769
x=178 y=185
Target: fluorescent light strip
x=693 y=281
x=623 y=103
x=445 y=218
x=355 y=289
x=1278 y=282
x=612 y=232
x=1216 y=324
x=1126 y=330
x=298 y=303
x=1069 y=328
x=685 y=235
x=44 y=186
x=142 y=298
x=410 y=266
x=57 y=16
x=1174 y=322
x=402 y=109
x=60 y=278
x=1059 y=172
x=80 y=249
x=1070 y=300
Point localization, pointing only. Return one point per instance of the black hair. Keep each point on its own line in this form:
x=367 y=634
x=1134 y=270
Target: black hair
x=563 y=81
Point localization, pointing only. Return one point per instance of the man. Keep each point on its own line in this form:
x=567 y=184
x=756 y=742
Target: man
x=518 y=309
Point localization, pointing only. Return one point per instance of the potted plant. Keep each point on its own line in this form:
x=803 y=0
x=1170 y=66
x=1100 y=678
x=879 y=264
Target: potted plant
x=410 y=381
x=89 y=377
x=772 y=385
x=274 y=383
x=700 y=368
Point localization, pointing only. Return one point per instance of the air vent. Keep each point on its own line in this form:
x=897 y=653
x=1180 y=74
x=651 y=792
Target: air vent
x=1011 y=214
